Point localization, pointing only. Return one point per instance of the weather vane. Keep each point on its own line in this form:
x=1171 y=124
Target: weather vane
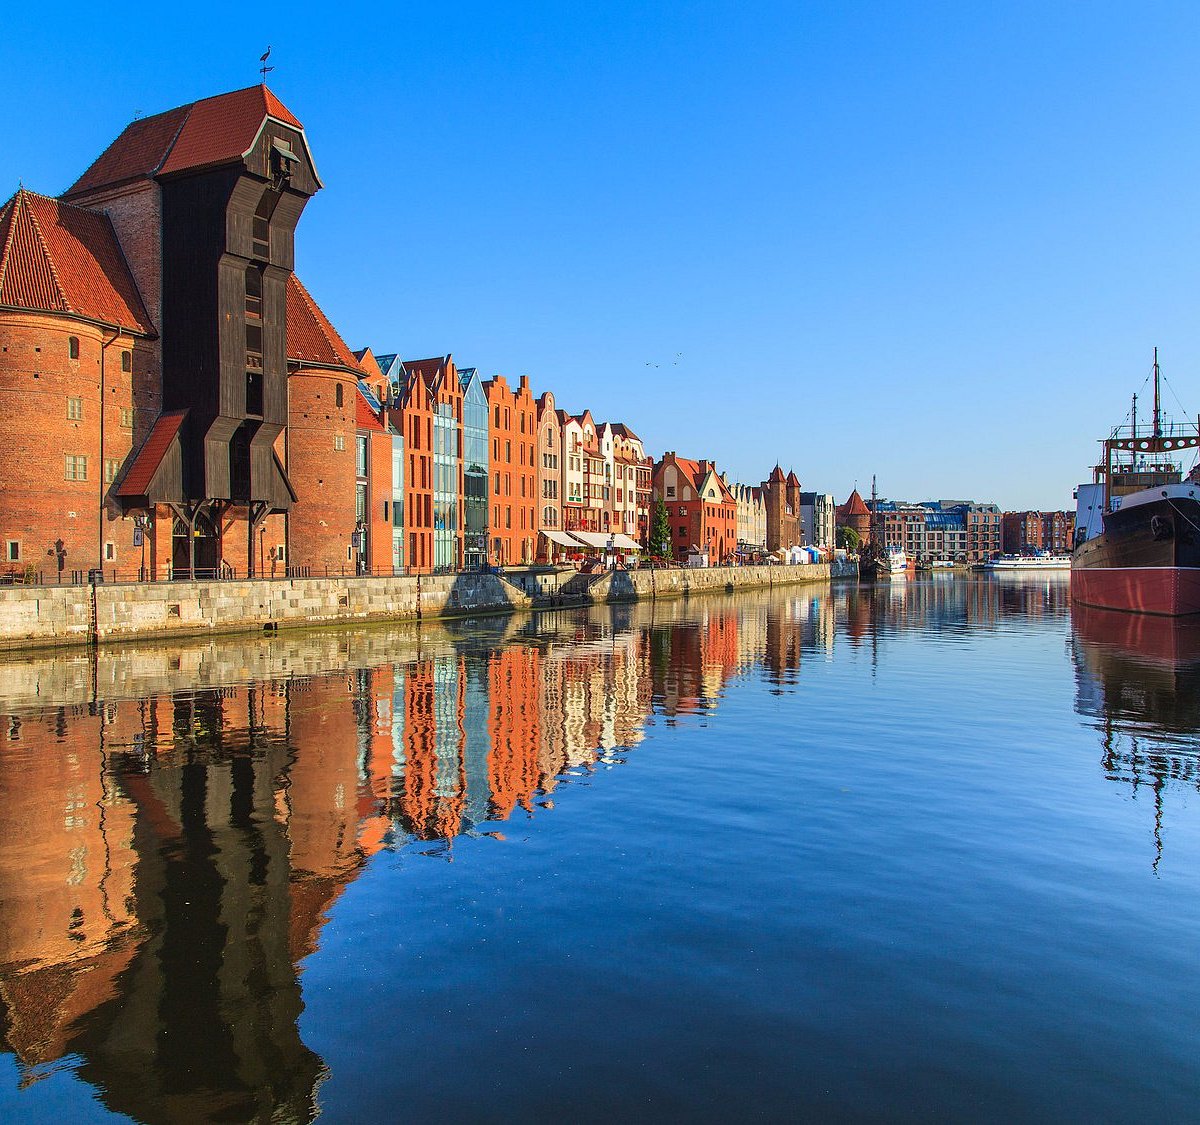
x=264 y=70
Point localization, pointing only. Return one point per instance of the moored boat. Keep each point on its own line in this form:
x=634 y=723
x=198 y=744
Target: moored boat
x=1137 y=524
x=1028 y=563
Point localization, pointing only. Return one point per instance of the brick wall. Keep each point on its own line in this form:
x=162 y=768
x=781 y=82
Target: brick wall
x=321 y=522
x=49 y=410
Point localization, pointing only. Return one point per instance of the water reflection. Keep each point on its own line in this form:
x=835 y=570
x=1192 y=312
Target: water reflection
x=179 y=823
x=1138 y=681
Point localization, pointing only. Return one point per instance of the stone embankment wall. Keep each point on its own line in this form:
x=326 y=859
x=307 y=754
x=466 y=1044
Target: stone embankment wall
x=636 y=585
x=32 y=617
x=62 y=615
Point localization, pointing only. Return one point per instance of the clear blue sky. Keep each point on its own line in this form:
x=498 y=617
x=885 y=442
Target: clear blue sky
x=932 y=241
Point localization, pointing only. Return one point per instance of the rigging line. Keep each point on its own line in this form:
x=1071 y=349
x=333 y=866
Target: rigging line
x=1171 y=501
x=1129 y=413
x=1176 y=397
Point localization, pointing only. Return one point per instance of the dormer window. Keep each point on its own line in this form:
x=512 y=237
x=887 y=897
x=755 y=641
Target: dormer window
x=283 y=160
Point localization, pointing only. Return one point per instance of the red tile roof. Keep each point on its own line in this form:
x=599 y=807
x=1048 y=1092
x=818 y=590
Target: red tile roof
x=855 y=506
x=150 y=456
x=63 y=259
x=793 y=479
x=311 y=339
x=211 y=131
x=691 y=469
x=365 y=417
x=776 y=474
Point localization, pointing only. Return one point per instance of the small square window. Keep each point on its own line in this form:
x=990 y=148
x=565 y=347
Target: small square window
x=12 y=550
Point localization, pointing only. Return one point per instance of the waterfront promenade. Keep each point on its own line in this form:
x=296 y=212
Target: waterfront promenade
x=40 y=616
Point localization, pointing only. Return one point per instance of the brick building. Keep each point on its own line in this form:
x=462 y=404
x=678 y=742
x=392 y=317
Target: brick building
x=513 y=469
x=427 y=410
x=781 y=498
x=322 y=394
x=73 y=332
x=855 y=515
x=701 y=509
x=1024 y=533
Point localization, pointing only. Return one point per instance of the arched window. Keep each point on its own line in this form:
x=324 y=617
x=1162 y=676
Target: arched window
x=73 y=347
x=337 y=395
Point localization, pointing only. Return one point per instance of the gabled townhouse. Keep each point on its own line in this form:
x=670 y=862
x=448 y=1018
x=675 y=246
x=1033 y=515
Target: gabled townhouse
x=700 y=507
x=436 y=394
x=549 y=453
x=512 y=431
x=632 y=472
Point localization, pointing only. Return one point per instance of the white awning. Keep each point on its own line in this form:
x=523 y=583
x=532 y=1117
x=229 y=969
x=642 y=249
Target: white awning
x=623 y=543
x=562 y=539
x=592 y=538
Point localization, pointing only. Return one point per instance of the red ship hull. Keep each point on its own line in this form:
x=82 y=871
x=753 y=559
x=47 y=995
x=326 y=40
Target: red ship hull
x=1169 y=591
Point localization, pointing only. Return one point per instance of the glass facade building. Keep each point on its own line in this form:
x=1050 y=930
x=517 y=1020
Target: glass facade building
x=445 y=488
x=475 y=470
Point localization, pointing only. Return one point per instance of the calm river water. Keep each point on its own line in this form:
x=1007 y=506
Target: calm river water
x=928 y=850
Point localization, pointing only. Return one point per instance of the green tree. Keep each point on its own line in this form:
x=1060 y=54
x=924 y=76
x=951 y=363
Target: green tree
x=848 y=539
x=660 y=531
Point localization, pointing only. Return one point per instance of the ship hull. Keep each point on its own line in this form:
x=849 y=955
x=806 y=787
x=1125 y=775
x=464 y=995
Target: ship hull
x=1147 y=560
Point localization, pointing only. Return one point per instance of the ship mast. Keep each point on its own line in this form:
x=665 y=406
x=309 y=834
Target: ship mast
x=1157 y=409
x=875 y=536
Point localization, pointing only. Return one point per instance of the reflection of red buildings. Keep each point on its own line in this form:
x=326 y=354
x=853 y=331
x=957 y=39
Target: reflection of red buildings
x=514 y=683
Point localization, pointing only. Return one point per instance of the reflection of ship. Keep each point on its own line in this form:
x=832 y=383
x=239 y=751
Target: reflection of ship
x=1139 y=679
x=1137 y=525
x=1027 y=564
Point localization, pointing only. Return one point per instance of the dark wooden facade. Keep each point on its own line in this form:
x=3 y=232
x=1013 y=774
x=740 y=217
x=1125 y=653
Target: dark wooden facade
x=228 y=237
